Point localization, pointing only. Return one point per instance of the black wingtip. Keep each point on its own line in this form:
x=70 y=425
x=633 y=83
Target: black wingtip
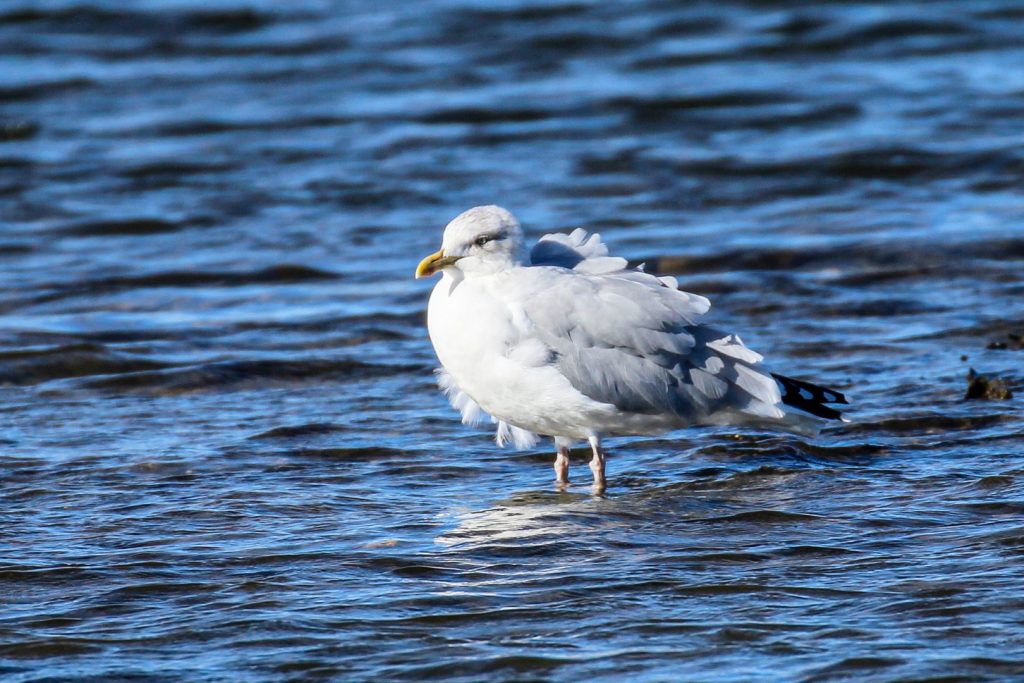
x=810 y=398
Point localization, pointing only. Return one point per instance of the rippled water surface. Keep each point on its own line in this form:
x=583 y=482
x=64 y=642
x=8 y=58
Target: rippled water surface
x=223 y=454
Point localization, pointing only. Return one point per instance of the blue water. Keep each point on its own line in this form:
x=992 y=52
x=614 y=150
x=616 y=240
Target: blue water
x=223 y=454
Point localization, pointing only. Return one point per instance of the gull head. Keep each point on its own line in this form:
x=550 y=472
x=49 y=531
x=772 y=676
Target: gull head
x=480 y=241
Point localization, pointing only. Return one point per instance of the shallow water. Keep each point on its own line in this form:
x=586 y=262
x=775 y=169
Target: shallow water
x=224 y=457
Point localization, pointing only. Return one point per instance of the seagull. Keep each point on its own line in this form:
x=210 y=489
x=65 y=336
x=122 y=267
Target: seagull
x=572 y=343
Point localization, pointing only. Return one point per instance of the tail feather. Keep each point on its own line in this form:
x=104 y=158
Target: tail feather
x=810 y=398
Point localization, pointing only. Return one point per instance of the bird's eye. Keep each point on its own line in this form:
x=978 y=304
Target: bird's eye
x=481 y=241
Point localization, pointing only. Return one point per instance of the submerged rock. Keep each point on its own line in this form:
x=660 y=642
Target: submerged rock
x=986 y=388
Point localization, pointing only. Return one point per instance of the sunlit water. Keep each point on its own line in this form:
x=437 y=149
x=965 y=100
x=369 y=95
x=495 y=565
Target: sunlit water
x=223 y=454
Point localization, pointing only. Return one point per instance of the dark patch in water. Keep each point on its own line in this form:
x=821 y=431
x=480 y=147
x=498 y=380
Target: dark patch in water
x=95 y=20
x=645 y=110
x=78 y=360
x=349 y=454
x=15 y=249
x=768 y=517
x=210 y=126
x=993 y=169
x=18 y=130
x=175 y=169
x=43 y=90
x=273 y=275
x=480 y=115
x=986 y=388
x=295 y=431
x=869 y=263
x=929 y=424
x=1014 y=341
x=125 y=226
x=244 y=374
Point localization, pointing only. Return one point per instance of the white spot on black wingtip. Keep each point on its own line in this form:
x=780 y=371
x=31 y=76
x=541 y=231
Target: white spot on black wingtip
x=810 y=398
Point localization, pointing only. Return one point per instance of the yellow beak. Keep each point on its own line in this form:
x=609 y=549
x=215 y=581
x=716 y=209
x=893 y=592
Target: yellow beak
x=433 y=263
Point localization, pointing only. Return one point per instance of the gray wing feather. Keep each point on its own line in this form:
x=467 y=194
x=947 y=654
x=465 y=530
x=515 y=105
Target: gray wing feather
x=577 y=251
x=631 y=339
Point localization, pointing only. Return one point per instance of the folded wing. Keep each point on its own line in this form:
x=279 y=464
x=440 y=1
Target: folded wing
x=634 y=340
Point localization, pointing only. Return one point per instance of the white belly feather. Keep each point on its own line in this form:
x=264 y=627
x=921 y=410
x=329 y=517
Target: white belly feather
x=487 y=350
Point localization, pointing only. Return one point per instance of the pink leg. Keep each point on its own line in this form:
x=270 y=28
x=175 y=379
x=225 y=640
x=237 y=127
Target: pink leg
x=597 y=465
x=562 y=466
